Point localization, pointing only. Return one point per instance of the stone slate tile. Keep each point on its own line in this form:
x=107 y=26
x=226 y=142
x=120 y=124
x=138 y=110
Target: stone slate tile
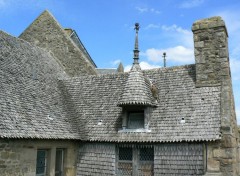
x=30 y=99
x=95 y=100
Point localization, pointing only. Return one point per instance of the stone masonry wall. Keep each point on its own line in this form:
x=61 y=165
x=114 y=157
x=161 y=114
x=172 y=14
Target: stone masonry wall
x=212 y=69
x=211 y=51
x=46 y=33
x=18 y=157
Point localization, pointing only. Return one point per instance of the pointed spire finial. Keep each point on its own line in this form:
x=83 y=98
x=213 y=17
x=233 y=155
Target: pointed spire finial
x=164 y=59
x=136 y=51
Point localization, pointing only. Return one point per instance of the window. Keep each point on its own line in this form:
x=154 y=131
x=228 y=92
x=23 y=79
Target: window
x=59 y=162
x=41 y=167
x=46 y=162
x=135 y=120
x=125 y=161
x=137 y=160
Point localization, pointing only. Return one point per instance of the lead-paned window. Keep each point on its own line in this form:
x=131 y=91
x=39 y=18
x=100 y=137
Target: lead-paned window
x=125 y=158
x=41 y=166
x=135 y=161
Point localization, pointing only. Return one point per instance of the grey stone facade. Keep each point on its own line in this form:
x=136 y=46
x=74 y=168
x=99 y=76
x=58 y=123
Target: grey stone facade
x=18 y=156
x=46 y=33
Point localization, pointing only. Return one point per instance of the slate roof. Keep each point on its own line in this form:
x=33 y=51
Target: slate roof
x=38 y=100
x=31 y=105
x=106 y=70
x=95 y=101
x=136 y=89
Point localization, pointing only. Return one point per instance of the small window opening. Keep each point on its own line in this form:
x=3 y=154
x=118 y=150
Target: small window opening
x=136 y=120
x=100 y=122
x=182 y=120
x=59 y=162
x=41 y=167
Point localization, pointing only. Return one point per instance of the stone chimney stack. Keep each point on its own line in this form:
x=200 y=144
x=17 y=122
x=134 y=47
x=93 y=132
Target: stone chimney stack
x=211 y=51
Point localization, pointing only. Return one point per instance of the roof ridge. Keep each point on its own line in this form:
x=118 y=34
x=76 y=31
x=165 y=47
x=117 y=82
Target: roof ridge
x=98 y=76
x=179 y=67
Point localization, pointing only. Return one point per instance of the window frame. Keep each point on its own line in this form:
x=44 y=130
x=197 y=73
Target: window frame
x=136 y=162
x=134 y=109
x=61 y=171
x=45 y=163
x=51 y=161
x=130 y=119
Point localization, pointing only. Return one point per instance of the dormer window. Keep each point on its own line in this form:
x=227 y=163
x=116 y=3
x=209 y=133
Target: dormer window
x=135 y=120
x=137 y=97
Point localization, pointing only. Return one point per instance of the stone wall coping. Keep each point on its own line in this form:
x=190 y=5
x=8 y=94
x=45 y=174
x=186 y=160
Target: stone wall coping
x=208 y=23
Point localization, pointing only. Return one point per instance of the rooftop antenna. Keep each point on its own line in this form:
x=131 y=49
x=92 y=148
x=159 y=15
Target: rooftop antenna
x=164 y=59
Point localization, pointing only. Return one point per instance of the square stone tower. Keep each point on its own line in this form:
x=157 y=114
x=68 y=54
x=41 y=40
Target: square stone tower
x=213 y=69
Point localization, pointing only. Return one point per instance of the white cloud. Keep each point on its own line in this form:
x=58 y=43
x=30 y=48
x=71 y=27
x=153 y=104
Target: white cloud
x=238 y=114
x=152 y=26
x=174 y=33
x=144 y=66
x=115 y=62
x=175 y=28
x=179 y=54
x=191 y=3
x=235 y=69
x=152 y=10
x=141 y=10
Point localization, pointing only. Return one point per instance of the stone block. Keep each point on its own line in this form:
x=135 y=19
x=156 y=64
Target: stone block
x=195 y=27
x=13 y=156
x=196 y=52
x=228 y=141
x=200 y=59
x=226 y=166
x=203 y=25
x=227 y=153
x=213 y=165
x=199 y=44
x=4 y=155
x=223 y=52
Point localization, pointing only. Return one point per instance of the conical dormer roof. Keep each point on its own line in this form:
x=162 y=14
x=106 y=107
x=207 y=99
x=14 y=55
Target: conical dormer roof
x=137 y=89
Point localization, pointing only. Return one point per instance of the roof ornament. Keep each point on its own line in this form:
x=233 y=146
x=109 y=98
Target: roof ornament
x=164 y=59
x=136 y=51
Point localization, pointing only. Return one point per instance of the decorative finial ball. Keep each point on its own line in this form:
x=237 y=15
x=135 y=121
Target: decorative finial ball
x=137 y=26
x=164 y=53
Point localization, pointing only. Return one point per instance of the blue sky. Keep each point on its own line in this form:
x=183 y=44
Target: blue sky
x=106 y=28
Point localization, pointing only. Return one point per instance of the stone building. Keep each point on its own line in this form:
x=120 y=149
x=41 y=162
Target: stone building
x=61 y=116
